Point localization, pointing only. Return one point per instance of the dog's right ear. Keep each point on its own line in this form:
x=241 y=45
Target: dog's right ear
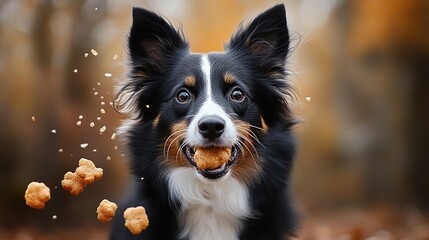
x=153 y=40
x=153 y=43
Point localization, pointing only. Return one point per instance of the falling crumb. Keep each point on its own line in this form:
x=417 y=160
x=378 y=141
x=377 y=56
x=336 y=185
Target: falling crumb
x=86 y=55
x=96 y=9
x=95 y=93
x=108 y=158
x=103 y=129
x=94 y=150
x=111 y=103
x=54 y=217
x=108 y=74
x=115 y=57
x=98 y=118
x=33 y=118
x=80 y=117
x=60 y=150
x=98 y=83
x=54 y=131
x=101 y=97
x=102 y=111
x=75 y=70
x=116 y=148
x=142 y=178
x=113 y=137
x=103 y=103
x=147 y=106
x=84 y=145
x=79 y=123
x=92 y=124
x=308 y=99
x=95 y=53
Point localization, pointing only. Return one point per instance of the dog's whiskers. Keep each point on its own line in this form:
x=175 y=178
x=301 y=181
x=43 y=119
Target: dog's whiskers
x=180 y=134
x=241 y=144
x=178 y=150
x=251 y=134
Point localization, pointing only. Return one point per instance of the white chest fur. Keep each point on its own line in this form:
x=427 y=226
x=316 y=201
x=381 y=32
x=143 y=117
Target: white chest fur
x=211 y=210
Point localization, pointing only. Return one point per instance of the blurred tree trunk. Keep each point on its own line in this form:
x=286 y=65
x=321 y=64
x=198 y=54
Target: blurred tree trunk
x=45 y=162
x=418 y=127
x=383 y=96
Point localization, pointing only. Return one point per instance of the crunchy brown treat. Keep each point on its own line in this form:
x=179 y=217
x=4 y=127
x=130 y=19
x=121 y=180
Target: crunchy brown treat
x=211 y=157
x=136 y=219
x=37 y=194
x=88 y=171
x=106 y=210
x=73 y=183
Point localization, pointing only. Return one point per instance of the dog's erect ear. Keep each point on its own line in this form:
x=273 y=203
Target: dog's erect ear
x=265 y=38
x=153 y=44
x=265 y=41
x=153 y=39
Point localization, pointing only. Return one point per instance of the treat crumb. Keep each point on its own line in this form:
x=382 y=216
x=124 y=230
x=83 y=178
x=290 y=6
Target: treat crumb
x=95 y=53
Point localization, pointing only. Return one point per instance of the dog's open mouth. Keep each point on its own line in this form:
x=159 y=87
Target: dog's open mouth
x=208 y=173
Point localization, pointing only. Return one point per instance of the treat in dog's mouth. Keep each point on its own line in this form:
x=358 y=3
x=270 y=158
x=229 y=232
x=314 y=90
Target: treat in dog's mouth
x=211 y=162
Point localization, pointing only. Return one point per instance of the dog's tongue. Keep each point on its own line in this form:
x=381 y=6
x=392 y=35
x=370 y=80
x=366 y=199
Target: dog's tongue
x=208 y=158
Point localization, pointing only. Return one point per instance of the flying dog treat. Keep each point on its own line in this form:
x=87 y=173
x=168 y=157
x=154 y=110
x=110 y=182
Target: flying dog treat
x=73 y=183
x=136 y=219
x=36 y=195
x=106 y=210
x=211 y=157
x=88 y=171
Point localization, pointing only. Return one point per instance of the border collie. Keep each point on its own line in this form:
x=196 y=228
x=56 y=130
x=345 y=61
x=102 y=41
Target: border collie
x=178 y=100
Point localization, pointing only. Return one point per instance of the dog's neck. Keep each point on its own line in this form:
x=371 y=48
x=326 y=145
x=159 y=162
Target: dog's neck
x=209 y=209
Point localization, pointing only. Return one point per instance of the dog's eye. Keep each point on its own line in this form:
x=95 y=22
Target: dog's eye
x=237 y=95
x=183 y=96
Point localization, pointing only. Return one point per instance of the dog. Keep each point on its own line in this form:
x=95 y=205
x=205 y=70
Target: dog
x=236 y=99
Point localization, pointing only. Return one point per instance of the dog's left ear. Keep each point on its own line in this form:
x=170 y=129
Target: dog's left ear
x=265 y=38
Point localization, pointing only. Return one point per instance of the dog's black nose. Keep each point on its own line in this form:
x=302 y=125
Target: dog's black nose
x=211 y=127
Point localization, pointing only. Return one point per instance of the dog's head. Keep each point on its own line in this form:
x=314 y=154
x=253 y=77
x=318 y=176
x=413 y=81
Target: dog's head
x=224 y=99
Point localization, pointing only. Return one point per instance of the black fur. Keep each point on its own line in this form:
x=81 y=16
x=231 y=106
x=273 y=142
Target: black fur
x=159 y=57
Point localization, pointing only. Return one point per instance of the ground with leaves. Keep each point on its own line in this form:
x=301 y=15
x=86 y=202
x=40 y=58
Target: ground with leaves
x=375 y=224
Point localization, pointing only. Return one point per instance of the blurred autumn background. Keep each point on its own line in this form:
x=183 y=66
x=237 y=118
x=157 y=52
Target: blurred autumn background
x=361 y=68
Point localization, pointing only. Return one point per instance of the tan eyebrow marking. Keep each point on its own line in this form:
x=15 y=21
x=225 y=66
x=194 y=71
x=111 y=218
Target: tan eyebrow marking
x=228 y=78
x=190 y=81
x=156 y=121
x=264 y=125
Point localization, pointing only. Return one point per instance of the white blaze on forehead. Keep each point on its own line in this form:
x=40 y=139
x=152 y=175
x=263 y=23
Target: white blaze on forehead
x=210 y=108
x=205 y=67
